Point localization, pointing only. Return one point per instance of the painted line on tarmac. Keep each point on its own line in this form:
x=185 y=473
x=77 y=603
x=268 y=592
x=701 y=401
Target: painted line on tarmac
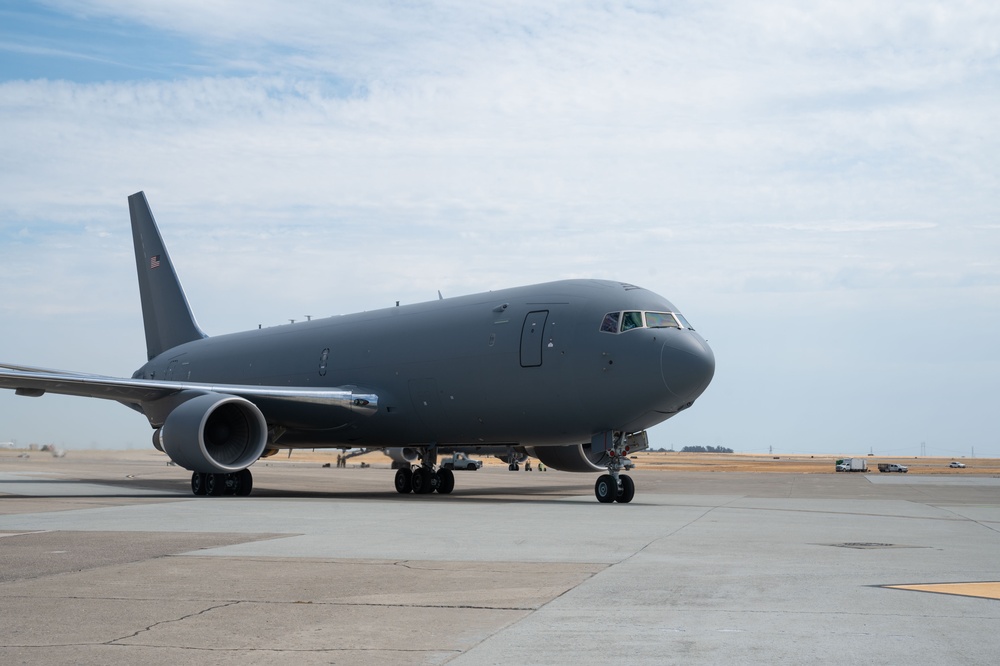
x=983 y=590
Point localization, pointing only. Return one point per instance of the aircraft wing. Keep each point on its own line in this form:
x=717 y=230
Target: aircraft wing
x=38 y=381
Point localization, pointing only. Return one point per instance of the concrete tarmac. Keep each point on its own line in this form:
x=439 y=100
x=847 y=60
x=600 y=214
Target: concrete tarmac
x=109 y=560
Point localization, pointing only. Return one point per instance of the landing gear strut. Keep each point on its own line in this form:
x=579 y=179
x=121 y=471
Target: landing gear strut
x=615 y=486
x=423 y=479
x=236 y=483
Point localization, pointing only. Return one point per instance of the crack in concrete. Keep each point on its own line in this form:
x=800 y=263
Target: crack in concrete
x=242 y=649
x=673 y=532
x=514 y=621
x=179 y=619
x=232 y=602
x=981 y=523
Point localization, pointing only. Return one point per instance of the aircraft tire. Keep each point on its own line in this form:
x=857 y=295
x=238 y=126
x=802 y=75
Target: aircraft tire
x=215 y=484
x=606 y=490
x=422 y=482
x=404 y=480
x=628 y=489
x=446 y=481
x=198 y=484
x=244 y=482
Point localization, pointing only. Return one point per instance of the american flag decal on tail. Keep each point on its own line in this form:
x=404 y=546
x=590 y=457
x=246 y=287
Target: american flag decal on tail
x=154 y=262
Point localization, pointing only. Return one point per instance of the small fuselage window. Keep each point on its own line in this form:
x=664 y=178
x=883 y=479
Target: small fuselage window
x=631 y=319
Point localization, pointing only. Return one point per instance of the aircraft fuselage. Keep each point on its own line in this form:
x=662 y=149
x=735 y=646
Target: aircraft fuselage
x=527 y=365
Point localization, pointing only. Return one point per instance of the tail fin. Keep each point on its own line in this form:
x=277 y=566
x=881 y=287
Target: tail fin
x=165 y=311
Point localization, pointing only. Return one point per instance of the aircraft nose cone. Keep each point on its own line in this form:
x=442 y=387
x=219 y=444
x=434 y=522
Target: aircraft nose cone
x=687 y=364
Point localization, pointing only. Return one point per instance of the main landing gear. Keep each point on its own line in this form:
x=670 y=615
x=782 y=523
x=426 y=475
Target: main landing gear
x=237 y=483
x=423 y=479
x=615 y=486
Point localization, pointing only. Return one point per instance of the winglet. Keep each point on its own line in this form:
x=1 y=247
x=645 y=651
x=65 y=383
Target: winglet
x=165 y=311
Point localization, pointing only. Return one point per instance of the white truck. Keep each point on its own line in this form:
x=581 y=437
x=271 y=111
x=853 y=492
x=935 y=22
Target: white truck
x=893 y=467
x=460 y=460
x=852 y=465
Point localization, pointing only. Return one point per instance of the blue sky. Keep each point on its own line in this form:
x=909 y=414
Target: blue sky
x=42 y=42
x=814 y=186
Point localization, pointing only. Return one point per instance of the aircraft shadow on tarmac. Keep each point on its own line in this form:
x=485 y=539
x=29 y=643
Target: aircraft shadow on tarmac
x=167 y=488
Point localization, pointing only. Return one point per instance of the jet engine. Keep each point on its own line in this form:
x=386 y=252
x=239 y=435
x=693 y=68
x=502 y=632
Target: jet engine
x=578 y=458
x=213 y=433
x=403 y=454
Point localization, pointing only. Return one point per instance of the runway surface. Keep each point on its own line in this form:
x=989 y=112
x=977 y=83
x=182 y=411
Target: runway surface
x=111 y=560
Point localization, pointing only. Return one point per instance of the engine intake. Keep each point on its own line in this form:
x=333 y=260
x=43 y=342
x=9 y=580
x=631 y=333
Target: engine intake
x=214 y=433
x=403 y=454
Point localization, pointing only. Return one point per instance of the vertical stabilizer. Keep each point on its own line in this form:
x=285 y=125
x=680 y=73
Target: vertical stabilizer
x=165 y=311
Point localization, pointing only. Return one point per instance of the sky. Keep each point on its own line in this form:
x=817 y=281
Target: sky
x=815 y=186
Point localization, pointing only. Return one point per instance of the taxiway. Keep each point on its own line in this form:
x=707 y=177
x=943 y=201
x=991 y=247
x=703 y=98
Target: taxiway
x=111 y=560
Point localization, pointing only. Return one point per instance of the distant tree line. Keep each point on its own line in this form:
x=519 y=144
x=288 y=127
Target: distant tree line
x=706 y=449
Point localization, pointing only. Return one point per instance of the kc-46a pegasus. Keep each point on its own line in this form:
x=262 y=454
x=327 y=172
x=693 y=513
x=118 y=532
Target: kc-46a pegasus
x=571 y=373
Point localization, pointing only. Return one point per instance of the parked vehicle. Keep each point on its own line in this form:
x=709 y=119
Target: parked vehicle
x=892 y=467
x=852 y=465
x=460 y=460
x=955 y=463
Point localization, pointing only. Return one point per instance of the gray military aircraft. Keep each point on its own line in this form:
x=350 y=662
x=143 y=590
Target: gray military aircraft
x=569 y=372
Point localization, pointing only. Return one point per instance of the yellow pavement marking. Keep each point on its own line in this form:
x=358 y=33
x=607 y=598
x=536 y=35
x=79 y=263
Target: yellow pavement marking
x=987 y=590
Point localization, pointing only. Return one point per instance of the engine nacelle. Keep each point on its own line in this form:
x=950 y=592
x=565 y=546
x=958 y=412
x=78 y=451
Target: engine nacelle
x=402 y=454
x=578 y=458
x=214 y=433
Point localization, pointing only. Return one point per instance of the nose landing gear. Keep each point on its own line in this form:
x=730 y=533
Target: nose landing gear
x=615 y=486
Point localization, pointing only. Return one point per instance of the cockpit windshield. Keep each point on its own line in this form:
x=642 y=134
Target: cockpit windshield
x=619 y=322
x=631 y=320
x=661 y=320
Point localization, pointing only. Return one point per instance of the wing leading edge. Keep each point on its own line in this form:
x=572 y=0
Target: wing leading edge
x=37 y=381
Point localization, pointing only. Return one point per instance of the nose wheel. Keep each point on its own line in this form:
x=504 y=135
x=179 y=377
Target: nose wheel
x=608 y=489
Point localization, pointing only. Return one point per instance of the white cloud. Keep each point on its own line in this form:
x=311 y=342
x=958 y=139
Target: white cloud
x=754 y=162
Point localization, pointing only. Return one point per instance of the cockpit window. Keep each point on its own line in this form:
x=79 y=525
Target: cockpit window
x=631 y=320
x=661 y=320
x=683 y=321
